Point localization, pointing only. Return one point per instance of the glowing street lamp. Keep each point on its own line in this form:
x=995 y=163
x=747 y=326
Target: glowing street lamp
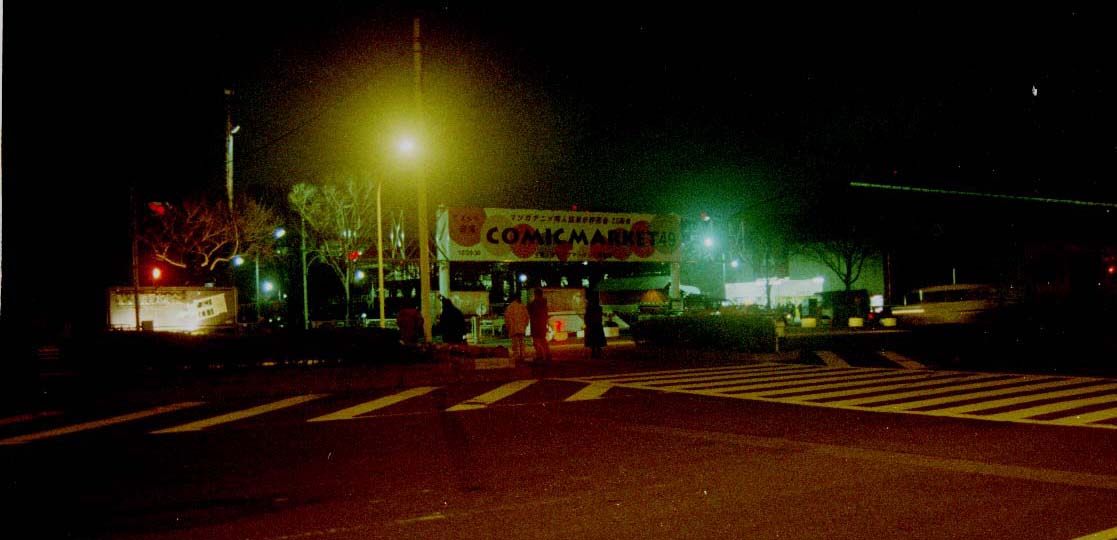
x=409 y=148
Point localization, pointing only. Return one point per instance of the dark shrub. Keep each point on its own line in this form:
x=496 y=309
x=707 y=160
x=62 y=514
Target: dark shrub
x=737 y=333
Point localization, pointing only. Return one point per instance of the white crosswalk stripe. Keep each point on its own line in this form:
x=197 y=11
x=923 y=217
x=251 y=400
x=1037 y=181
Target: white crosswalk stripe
x=1056 y=400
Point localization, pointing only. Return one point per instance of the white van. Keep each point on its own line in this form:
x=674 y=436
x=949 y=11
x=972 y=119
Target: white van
x=949 y=304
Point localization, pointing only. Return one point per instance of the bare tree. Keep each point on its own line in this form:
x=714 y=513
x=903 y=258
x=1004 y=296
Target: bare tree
x=845 y=256
x=766 y=246
x=340 y=225
x=198 y=235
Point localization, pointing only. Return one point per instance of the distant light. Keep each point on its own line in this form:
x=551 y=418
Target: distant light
x=359 y=275
x=156 y=273
x=408 y=146
x=585 y=263
x=280 y=232
x=1111 y=269
x=1035 y=91
x=268 y=286
x=238 y=260
x=735 y=263
x=523 y=278
x=234 y=130
x=709 y=242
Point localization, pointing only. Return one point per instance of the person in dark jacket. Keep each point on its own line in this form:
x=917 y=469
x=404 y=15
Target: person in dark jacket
x=595 y=325
x=451 y=322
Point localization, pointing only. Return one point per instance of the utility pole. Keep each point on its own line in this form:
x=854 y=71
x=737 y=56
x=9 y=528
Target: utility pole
x=302 y=259
x=135 y=257
x=230 y=130
x=424 y=227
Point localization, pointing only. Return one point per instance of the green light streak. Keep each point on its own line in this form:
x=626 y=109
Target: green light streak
x=980 y=194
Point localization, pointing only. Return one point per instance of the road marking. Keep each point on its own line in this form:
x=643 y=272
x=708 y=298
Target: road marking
x=100 y=423
x=429 y=517
x=921 y=381
x=650 y=374
x=1108 y=534
x=831 y=359
x=1088 y=418
x=1054 y=407
x=593 y=390
x=974 y=407
x=963 y=397
x=902 y=360
x=978 y=391
x=831 y=379
x=709 y=373
x=492 y=396
x=868 y=401
x=240 y=415
x=725 y=378
x=27 y=417
x=846 y=383
x=357 y=410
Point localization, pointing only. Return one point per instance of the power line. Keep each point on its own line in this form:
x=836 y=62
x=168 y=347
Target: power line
x=1002 y=196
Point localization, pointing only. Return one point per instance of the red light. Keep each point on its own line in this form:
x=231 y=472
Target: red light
x=354 y=255
x=157 y=208
x=1111 y=269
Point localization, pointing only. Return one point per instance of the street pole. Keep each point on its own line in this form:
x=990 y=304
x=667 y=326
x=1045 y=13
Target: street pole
x=135 y=257
x=302 y=259
x=229 y=131
x=380 y=253
x=424 y=232
x=257 y=288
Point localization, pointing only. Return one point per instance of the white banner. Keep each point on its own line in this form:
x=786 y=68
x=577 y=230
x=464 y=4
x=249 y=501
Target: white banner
x=508 y=235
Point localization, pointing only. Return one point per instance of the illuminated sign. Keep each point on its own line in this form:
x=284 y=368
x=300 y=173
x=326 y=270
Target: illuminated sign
x=507 y=235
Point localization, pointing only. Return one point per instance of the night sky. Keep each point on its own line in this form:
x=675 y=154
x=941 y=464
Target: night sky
x=683 y=108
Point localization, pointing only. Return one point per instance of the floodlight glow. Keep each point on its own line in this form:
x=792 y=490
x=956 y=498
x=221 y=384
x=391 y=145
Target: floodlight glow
x=709 y=242
x=156 y=273
x=735 y=263
x=359 y=275
x=408 y=147
x=238 y=260
x=268 y=286
x=280 y=232
x=523 y=278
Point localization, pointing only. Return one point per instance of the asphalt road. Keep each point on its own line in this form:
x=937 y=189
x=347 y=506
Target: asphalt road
x=580 y=449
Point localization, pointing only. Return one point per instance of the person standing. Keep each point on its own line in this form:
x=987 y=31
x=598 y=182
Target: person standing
x=516 y=320
x=451 y=322
x=410 y=323
x=538 y=313
x=595 y=325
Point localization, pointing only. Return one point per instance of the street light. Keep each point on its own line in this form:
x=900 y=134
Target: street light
x=409 y=148
x=380 y=252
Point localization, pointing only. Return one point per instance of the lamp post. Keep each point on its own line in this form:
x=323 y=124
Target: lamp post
x=424 y=231
x=379 y=254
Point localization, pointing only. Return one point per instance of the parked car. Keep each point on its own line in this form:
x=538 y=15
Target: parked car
x=963 y=304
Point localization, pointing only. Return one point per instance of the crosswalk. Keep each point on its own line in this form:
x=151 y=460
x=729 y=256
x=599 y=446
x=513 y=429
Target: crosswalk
x=1034 y=399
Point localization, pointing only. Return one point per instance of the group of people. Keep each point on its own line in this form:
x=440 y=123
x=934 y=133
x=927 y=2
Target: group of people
x=517 y=319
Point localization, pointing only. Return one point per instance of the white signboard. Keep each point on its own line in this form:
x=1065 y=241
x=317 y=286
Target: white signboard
x=173 y=309
x=509 y=235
